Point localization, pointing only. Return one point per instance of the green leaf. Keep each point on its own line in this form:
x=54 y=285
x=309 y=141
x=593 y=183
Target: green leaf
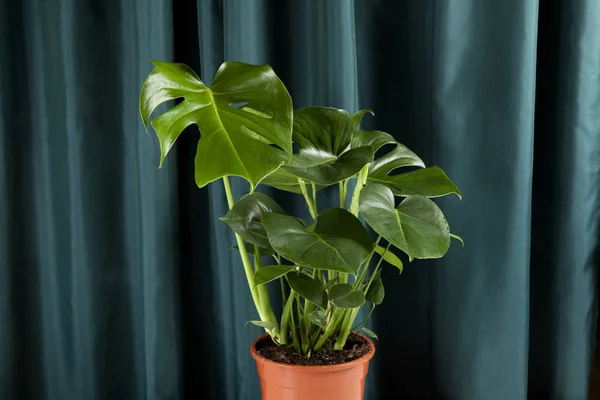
x=369 y=333
x=352 y=300
x=417 y=226
x=245 y=111
x=286 y=181
x=269 y=326
x=399 y=156
x=428 y=182
x=376 y=291
x=318 y=318
x=323 y=136
x=337 y=241
x=458 y=238
x=308 y=288
x=339 y=291
x=244 y=217
x=358 y=116
x=250 y=250
x=270 y=273
x=390 y=258
x=331 y=282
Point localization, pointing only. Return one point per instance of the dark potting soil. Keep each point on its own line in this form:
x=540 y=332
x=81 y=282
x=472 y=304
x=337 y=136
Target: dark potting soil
x=355 y=348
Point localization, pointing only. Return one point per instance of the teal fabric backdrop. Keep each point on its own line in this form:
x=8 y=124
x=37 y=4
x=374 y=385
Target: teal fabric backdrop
x=116 y=279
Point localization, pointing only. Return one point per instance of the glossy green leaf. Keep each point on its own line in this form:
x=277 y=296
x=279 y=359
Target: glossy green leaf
x=369 y=333
x=417 y=227
x=358 y=116
x=244 y=218
x=323 y=136
x=337 y=241
x=318 y=318
x=308 y=288
x=390 y=258
x=245 y=111
x=428 y=182
x=339 y=291
x=286 y=181
x=270 y=273
x=352 y=300
x=376 y=291
x=269 y=326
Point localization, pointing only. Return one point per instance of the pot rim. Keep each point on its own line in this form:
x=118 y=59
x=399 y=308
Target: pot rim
x=313 y=368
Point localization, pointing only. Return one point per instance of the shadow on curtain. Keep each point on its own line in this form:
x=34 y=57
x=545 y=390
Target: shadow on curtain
x=116 y=279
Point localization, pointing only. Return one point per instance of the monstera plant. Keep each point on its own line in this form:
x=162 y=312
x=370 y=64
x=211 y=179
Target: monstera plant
x=327 y=268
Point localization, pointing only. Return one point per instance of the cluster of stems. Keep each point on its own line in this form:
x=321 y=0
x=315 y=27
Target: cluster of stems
x=295 y=325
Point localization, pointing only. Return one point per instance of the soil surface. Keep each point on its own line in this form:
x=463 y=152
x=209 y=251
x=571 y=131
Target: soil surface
x=355 y=348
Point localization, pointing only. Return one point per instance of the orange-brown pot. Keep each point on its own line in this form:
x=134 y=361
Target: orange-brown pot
x=328 y=382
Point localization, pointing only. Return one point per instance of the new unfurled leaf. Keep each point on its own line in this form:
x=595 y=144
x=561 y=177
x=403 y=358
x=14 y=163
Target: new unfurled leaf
x=337 y=241
x=370 y=333
x=308 y=288
x=270 y=273
x=244 y=218
x=417 y=227
x=318 y=318
x=244 y=117
x=390 y=257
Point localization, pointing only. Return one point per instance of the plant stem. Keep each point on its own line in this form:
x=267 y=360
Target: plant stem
x=260 y=298
x=360 y=182
x=302 y=327
x=334 y=324
x=345 y=329
x=294 y=334
x=309 y=202
x=341 y=185
x=365 y=266
x=354 y=328
x=286 y=316
x=377 y=268
x=314 y=197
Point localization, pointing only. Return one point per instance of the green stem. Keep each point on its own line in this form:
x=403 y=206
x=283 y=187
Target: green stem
x=365 y=266
x=260 y=297
x=334 y=324
x=314 y=198
x=342 y=194
x=377 y=268
x=294 y=334
x=364 y=320
x=309 y=202
x=286 y=316
x=360 y=182
x=303 y=327
x=345 y=329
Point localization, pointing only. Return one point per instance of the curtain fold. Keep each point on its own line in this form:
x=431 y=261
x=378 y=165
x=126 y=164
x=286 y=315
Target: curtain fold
x=117 y=280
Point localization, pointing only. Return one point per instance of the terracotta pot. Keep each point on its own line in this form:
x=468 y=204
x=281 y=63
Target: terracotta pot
x=328 y=382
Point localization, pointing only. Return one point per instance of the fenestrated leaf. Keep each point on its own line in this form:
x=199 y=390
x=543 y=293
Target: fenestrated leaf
x=270 y=273
x=352 y=300
x=244 y=217
x=399 y=156
x=428 y=182
x=308 y=288
x=269 y=326
x=245 y=111
x=417 y=227
x=339 y=291
x=337 y=242
x=323 y=136
x=390 y=257
x=369 y=333
x=376 y=291
x=318 y=318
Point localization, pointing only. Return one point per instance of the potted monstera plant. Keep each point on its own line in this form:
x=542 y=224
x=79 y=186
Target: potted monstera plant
x=327 y=268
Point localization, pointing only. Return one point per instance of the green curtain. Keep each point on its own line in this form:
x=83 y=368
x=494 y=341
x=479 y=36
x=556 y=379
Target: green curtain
x=117 y=280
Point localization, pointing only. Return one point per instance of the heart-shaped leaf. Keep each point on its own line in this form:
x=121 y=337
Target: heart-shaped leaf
x=390 y=257
x=270 y=273
x=339 y=291
x=244 y=217
x=318 y=318
x=351 y=300
x=370 y=333
x=323 y=136
x=245 y=111
x=308 y=288
x=337 y=241
x=417 y=227
x=376 y=291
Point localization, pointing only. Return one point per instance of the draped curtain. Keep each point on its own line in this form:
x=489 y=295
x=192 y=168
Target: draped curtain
x=117 y=280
